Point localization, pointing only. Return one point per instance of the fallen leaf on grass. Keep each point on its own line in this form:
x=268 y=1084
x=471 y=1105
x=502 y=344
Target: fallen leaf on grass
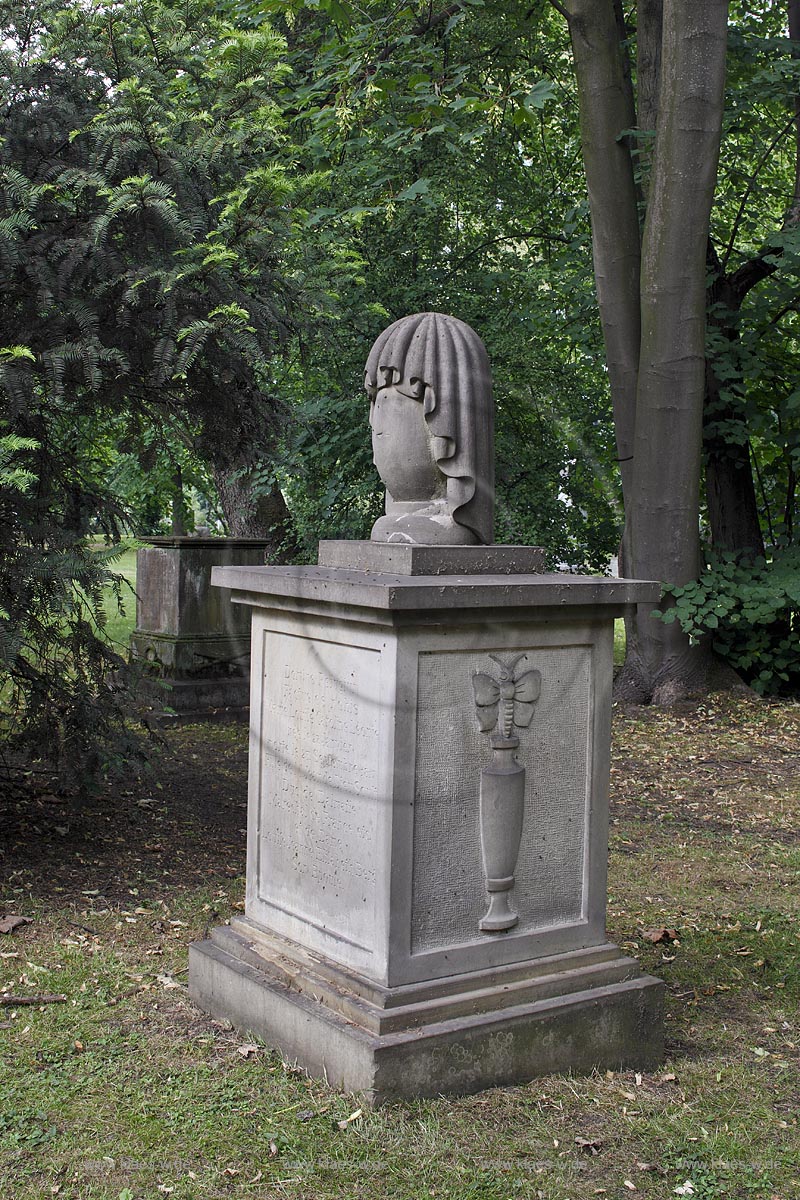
x=167 y=981
x=653 y=1167
x=305 y=1115
x=353 y=1117
x=629 y=1185
x=248 y=1050
x=667 y=1078
x=273 y=1149
x=685 y=1189
x=588 y=1145
x=662 y=934
x=9 y=924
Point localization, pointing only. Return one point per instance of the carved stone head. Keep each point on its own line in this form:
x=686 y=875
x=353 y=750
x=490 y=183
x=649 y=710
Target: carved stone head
x=432 y=418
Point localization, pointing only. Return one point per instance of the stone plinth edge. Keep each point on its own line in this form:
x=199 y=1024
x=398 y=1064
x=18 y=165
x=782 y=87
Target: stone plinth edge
x=398 y=558
x=604 y=1016
x=340 y=586
x=188 y=541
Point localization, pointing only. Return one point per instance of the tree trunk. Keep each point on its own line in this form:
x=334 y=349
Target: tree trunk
x=663 y=518
x=730 y=489
x=258 y=515
x=649 y=29
x=606 y=109
x=178 y=526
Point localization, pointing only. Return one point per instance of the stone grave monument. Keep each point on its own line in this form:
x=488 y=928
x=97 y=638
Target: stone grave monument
x=192 y=643
x=428 y=780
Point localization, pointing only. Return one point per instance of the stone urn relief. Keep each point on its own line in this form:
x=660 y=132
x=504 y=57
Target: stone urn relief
x=503 y=704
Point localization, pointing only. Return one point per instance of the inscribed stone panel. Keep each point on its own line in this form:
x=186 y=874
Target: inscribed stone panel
x=448 y=883
x=319 y=784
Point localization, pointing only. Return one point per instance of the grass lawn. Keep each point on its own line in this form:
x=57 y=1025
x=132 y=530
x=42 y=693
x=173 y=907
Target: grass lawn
x=120 y=622
x=125 y=1091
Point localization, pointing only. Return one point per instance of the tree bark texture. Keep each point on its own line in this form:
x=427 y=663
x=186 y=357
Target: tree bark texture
x=730 y=489
x=249 y=514
x=606 y=110
x=649 y=28
x=652 y=302
x=663 y=519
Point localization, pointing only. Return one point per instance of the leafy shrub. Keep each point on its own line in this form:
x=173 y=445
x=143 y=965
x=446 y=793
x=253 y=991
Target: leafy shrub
x=750 y=611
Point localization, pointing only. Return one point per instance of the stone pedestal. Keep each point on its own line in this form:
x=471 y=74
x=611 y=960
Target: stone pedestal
x=188 y=634
x=361 y=953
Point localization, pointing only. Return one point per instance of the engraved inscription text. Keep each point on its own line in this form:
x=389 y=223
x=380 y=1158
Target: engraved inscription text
x=319 y=783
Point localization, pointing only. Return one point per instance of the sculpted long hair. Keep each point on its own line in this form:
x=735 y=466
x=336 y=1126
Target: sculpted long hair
x=442 y=363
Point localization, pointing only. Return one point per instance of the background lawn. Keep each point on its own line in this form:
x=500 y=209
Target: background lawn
x=121 y=617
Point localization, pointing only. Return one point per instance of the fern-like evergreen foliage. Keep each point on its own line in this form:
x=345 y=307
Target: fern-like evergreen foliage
x=149 y=258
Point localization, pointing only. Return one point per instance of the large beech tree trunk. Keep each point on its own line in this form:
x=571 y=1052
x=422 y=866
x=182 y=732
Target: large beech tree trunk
x=654 y=323
x=606 y=108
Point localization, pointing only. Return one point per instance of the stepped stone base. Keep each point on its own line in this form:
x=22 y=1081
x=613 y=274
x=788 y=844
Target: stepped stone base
x=588 y=1008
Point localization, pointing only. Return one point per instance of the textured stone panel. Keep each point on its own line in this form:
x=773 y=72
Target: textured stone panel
x=448 y=884
x=318 y=787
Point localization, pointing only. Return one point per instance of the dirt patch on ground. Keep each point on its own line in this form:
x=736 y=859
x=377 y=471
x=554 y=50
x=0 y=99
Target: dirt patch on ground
x=179 y=823
x=727 y=765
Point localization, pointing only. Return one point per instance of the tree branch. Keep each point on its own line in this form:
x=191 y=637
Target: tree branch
x=9 y=1001
x=757 y=268
x=434 y=19
x=521 y=236
x=748 y=190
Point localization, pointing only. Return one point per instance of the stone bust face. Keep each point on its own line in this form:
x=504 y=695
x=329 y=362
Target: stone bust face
x=403 y=446
x=432 y=417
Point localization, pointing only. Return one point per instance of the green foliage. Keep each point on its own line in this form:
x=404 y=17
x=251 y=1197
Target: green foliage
x=753 y=344
x=750 y=612
x=57 y=671
x=442 y=157
x=148 y=248
x=13 y=476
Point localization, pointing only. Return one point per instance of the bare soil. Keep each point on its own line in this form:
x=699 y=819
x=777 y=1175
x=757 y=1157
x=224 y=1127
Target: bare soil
x=178 y=824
